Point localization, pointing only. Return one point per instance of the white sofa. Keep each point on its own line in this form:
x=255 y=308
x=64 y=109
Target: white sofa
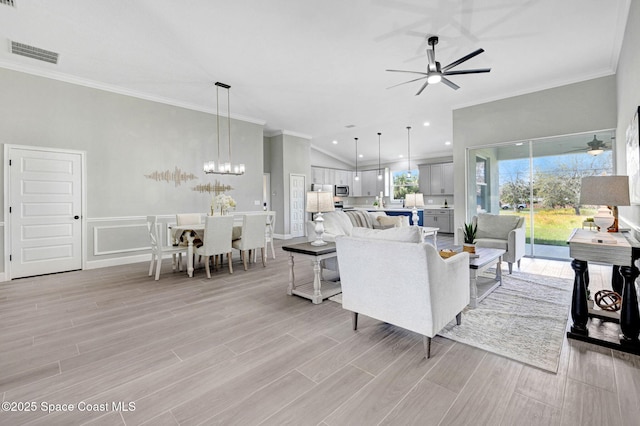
x=339 y=222
x=505 y=232
x=404 y=284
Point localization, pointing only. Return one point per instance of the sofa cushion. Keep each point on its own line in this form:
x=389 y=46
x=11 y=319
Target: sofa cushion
x=360 y=218
x=390 y=221
x=496 y=226
x=337 y=223
x=491 y=243
x=408 y=234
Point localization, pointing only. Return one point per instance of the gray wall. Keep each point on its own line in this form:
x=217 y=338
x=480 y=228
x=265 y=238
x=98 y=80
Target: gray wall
x=320 y=159
x=574 y=108
x=289 y=155
x=628 y=101
x=126 y=138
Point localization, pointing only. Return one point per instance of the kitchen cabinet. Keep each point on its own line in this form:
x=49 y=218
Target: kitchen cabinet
x=439 y=218
x=436 y=179
x=369 y=183
x=317 y=175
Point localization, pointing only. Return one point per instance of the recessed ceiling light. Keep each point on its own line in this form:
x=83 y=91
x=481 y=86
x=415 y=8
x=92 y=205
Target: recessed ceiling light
x=400 y=156
x=519 y=144
x=426 y=123
x=335 y=142
x=360 y=155
x=447 y=143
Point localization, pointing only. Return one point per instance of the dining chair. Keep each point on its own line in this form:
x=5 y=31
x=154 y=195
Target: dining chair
x=216 y=240
x=253 y=237
x=271 y=223
x=158 y=249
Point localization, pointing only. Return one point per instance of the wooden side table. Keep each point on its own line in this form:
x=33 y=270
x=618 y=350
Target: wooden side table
x=623 y=255
x=318 y=290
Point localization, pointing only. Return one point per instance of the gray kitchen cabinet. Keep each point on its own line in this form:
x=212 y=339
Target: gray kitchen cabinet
x=439 y=218
x=436 y=179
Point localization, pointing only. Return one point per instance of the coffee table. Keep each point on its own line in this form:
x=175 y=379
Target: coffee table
x=319 y=289
x=482 y=286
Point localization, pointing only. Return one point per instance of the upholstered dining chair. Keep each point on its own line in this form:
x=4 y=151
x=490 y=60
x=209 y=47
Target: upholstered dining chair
x=268 y=236
x=253 y=237
x=158 y=249
x=216 y=240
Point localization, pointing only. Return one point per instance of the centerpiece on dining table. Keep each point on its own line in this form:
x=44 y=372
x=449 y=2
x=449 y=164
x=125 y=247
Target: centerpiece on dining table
x=221 y=204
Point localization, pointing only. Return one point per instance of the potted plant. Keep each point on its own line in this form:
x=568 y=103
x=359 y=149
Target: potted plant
x=469 y=230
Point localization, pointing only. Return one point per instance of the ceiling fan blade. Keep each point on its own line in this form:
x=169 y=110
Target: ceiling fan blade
x=412 y=72
x=410 y=81
x=450 y=83
x=475 y=71
x=426 y=83
x=463 y=59
x=431 y=57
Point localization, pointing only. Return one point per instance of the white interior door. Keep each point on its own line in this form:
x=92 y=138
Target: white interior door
x=296 y=205
x=45 y=211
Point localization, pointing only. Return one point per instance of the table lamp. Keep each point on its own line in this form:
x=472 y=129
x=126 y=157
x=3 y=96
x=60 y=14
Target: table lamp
x=414 y=200
x=608 y=192
x=319 y=202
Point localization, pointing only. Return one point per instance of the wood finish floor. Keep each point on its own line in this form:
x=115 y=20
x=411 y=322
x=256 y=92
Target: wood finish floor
x=237 y=350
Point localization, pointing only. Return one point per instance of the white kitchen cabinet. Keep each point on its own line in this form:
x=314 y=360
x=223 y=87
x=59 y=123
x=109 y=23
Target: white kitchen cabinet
x=317 y=175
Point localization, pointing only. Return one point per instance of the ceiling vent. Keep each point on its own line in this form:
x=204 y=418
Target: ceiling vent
x=8 y=3
x=350 y=126
x=34 y=52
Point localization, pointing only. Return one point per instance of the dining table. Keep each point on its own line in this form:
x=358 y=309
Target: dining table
x=191 y=232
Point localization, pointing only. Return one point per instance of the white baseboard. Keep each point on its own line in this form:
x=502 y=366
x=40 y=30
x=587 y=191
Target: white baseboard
x=282 y=236
x=3 y=277
x=95 y=264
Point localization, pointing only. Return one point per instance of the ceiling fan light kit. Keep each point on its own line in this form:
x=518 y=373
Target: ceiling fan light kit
x=436 y=74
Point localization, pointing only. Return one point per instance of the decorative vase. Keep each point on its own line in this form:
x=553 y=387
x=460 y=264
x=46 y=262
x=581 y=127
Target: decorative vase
x=469 y=248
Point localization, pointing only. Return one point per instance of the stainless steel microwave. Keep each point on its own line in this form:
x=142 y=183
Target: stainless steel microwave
x=341 y=191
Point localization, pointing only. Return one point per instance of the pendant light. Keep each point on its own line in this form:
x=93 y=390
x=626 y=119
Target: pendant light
x=408 y=151
x=223 y=168
x=379 y=169
x=357 y=177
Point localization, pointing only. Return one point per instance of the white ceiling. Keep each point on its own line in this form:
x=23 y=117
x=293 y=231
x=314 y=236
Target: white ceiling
x=314 y=67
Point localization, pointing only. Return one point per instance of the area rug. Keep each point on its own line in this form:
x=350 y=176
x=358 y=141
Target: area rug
x=525 y=319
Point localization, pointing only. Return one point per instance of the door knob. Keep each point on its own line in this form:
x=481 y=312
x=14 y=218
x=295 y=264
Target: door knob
x=76 y=217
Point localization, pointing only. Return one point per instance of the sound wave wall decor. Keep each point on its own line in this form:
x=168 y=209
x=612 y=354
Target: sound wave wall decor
x=212 y=188
x=177 y=176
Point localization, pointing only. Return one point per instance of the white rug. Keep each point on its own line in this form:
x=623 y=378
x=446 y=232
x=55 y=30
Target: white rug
x=525 y=319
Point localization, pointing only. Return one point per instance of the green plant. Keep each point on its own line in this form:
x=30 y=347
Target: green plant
x=469 y=231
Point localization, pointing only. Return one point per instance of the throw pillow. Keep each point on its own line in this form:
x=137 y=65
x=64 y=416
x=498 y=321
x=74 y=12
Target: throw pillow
x=390 y=221
x=407 y=234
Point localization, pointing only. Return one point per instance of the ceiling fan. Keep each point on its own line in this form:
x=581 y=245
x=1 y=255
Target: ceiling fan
x=594 y=147
x=435 y=73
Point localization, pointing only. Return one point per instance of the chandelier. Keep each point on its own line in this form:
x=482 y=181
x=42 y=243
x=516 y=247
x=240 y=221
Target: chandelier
x=224 y=168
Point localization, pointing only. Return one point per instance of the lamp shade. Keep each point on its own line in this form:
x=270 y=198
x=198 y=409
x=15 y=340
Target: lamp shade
x=605 y=190
x=319 y=201
x=414 y=200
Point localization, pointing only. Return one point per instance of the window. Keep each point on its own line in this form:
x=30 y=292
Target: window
x=403 y=185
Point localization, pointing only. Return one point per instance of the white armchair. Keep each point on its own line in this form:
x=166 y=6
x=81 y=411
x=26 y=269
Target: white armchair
x=405 y=284
x=505 y=232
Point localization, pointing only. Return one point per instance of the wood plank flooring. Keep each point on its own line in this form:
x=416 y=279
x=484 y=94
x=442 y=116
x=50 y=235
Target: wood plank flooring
x=236 y=349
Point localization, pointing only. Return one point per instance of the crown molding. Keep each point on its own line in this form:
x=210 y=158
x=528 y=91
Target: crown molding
x=273 y=133
x=53 y=75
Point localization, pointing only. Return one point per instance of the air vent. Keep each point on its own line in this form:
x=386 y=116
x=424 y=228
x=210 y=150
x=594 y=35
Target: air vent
x=8 y=3
x=350 y=126
x=34 y=52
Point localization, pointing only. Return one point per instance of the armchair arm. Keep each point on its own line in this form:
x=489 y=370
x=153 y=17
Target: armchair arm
x=516 y=245
x=449 y=287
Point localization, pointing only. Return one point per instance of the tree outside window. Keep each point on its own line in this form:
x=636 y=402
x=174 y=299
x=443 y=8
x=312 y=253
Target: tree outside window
x=403 y=185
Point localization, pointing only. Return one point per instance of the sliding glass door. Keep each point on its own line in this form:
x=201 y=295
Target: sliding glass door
x=539 y=180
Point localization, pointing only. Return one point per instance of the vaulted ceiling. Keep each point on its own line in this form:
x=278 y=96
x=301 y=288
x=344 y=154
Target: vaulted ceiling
x=317 y=68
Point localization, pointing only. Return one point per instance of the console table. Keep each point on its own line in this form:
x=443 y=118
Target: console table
x=623 y=255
